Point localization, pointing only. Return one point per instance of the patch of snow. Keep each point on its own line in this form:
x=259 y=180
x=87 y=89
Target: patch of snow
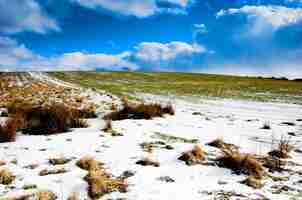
x=238 y=122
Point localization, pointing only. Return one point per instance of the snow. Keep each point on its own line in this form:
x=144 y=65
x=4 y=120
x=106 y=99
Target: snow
x=45 y=78
x=219 y=118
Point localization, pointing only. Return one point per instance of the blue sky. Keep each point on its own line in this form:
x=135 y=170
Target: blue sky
x=246 y=37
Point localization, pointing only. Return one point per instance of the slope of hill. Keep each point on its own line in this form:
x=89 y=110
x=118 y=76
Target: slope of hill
x=144 y=154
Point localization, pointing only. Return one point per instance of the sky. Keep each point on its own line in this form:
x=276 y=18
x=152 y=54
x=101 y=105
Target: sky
x=240 y=37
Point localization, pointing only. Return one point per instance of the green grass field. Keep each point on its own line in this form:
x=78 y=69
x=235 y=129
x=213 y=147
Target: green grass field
x=188 y=85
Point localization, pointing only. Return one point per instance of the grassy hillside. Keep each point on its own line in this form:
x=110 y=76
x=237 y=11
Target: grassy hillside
x=186 y=84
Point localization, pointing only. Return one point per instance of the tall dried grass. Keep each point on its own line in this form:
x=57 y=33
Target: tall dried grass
x=8 y=130
x=52 y=119
x=140 y=111
x=241 y=163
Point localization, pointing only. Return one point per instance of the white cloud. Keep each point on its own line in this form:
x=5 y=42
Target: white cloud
x=276 y=16
x=16 y=57
x=17 y=16
x=84 y=61
x=150 y=55
x=146 y=55
x=12 y=54
x=154 y=55
x=138 y=8
x=153 y=51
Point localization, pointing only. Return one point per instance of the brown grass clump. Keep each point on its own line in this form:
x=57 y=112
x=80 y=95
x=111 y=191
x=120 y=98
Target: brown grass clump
x=29 y=187
x=8 y=130
x=139 y=111
x=241 y=163
x=88 y=163
x=283 y=149
x=14 y=106
x=148 y=162
x=46 y=172
x=221 y=144
x=266 y=126
x=4 y=113
x=56 y=118
x=272 y=163
x=73 y=196
x=97 y=185
x=87 y=113
x=31 y=166
x=109 y=129
x=193 y=157
x=169 y=109
x=149 y=146
x=46 y=195
x=6 y=177
x=50 y=120
x=100 y=182
x=59 y=161
x=113 y=107
x=253 y=182
x=40 y=195
x=2 y=163
x=78 y=123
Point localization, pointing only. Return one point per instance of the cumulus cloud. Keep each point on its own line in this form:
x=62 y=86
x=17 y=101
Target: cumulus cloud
x=276 y=16
x=85 y=61
x=12 y=54
x=158 y=56
x=17 y=16
x=145 y=56
x=137 y=8
x=16 y=57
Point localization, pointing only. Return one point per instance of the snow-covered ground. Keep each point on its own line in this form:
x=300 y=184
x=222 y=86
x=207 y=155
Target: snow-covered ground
x=238 y=122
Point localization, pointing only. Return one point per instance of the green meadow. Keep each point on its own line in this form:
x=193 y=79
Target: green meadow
x=188 y=85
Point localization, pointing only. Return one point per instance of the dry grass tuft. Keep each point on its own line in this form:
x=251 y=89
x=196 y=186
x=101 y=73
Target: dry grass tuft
x=8 y=130
x=266 y=126
x=272 y=163
x=2 y=163
x=59 y=161
x=173 y=139
x=40 y=195
x=113 y=107
x=283 y=149
x=109 y=129
x=88 y=163
x=194 y=156
x=6 y=177
x=86 y=113
x=46 y=195
x=241 y=163
x=73 y=196
x=100 y=182
x=29 y=187
x=79 y=123
x=139 y=111
x=97 y=185
x=46 y=172
x=253 y=182
x=147 y=162
x=31 y=166
x=221 y=144
x=149 y=146
x=52 y=119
